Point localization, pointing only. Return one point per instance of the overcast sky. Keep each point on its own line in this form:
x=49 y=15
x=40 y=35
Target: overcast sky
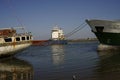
x=40 y=16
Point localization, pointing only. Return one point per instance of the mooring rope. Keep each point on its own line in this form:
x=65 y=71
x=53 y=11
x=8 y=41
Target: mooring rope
x=76 y=30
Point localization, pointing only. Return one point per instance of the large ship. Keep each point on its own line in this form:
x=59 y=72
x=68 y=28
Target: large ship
x=13 y=40
x=107 y=32
x=57 y=36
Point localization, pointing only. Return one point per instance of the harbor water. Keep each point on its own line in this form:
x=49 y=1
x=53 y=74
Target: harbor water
x=74 y=61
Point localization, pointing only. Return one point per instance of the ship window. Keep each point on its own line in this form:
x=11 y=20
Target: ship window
x=99 y=28
x=17 y=38
x=8 y=40
x=27 y=37
x=23 y=38
x=30 y=37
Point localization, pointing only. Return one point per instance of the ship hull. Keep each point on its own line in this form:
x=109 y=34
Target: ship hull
x=7 y=50
x=107 y=32
x=109 y=38
x=57 y=42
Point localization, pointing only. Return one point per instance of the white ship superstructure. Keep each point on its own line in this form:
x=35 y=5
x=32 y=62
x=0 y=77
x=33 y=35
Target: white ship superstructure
x=57 y=34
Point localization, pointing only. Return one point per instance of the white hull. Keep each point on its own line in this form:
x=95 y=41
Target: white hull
x=12 y=49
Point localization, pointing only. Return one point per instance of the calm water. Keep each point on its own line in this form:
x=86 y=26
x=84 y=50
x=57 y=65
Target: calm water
x=62 y=62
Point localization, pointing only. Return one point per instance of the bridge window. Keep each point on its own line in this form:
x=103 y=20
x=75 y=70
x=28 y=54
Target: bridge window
x=23 y=38
x=27 y=37
x=17 y=38
x=8 y=39
x=30 y=37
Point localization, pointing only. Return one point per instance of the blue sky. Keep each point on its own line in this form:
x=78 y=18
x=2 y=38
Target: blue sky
x=40 y=16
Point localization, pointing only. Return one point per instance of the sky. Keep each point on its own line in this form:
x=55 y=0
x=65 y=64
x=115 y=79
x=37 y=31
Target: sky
x=40 y=16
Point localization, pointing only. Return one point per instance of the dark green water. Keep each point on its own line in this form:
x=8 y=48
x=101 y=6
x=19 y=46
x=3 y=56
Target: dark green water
x=63 y=62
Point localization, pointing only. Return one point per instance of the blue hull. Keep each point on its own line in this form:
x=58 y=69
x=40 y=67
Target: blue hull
x=58 y=42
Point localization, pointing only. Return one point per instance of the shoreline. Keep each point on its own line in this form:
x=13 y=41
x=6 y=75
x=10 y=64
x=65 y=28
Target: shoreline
x=83 y=40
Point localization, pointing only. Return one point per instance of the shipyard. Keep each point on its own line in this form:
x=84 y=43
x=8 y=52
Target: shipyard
x=59 y=40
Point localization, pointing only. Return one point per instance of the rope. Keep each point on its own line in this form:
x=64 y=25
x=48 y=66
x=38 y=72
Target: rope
x=75 y=30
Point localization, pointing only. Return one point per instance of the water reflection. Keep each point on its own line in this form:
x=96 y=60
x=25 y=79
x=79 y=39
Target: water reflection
x=15 y=69
x=57 y=54
x=108 y=66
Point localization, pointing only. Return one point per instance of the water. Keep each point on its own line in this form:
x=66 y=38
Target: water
x=75 y=61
